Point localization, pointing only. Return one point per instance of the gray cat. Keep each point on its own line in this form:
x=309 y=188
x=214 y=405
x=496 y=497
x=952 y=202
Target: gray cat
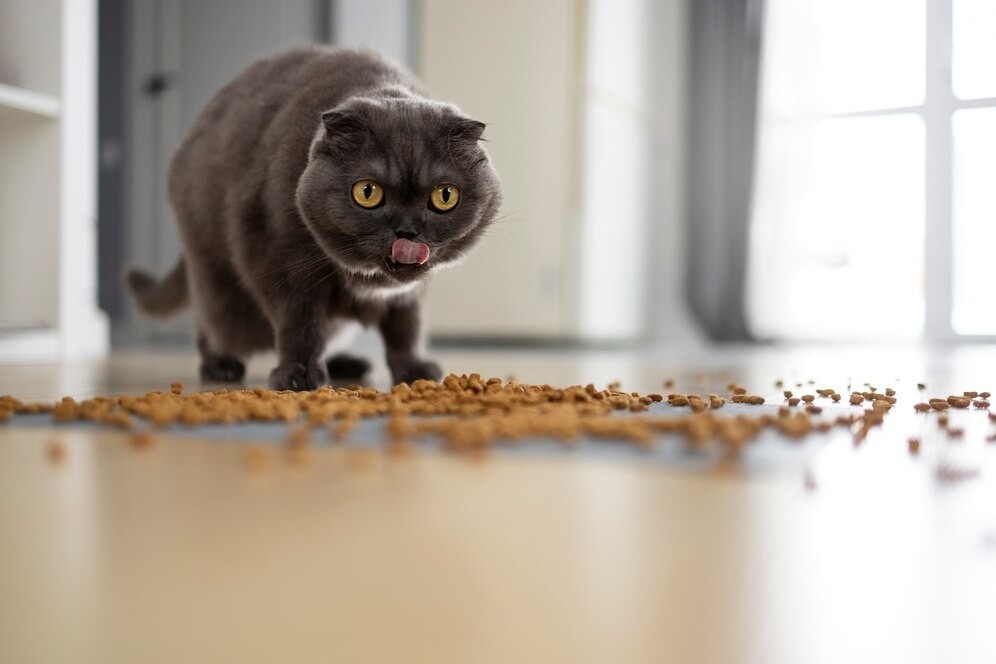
x=319 y=188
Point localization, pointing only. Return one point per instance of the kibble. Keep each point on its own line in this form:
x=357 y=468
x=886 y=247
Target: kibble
x=55 y=451
x=470 y=413
x=914 y=445
x=256 y=459
x=142 y=440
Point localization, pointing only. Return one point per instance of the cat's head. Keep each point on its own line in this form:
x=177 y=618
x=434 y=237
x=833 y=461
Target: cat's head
x=397 y=186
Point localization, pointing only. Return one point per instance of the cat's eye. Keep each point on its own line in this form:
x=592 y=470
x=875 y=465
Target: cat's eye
x=444 y=197
x=368 y=194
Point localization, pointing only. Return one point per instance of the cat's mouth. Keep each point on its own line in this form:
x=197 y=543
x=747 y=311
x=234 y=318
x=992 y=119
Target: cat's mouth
x=406 y=252
x=408 y=260
x=405 y=271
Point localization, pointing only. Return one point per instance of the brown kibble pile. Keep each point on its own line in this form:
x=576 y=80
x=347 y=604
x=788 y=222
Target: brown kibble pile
x=470 y=413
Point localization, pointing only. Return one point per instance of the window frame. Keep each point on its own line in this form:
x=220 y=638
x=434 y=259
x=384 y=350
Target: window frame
x=937 y=112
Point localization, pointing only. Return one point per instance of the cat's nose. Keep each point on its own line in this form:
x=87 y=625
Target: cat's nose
x=406 y=230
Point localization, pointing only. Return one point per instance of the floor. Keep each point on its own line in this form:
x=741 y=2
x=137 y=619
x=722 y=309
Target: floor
x=829 y=552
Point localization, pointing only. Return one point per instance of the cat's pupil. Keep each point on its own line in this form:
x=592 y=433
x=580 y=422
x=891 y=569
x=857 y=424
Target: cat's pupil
x=446 y=194
x=367 y=191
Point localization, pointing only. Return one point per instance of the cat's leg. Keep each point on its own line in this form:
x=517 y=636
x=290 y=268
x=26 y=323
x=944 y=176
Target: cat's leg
x=230 y=324
x=401 y=329
x=340 y=365
x=217 y=368
x=300 y=344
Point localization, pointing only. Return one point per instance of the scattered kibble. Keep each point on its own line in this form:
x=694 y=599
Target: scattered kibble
x=914 y=445
x=256 y=459
x=470 y=413
x=142 y=440
x=55 y=451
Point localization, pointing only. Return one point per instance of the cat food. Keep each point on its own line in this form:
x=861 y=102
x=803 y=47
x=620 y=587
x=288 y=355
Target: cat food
x=256 y=459
x=959 y=402
x=981 y=404
x=469 y=414
x=914 y=445
x=788 y=394
x=55 y=451
x=142 y=440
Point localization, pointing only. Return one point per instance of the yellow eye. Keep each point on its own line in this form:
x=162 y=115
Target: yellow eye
x=444 y=197
x=368 y=194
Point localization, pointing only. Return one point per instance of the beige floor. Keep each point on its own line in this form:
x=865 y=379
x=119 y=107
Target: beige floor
x=179 y=554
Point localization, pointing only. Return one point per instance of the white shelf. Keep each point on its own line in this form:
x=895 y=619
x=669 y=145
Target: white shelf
x=29 y=101
x=29 y=345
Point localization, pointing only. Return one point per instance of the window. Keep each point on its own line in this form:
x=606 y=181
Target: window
x=875 y=198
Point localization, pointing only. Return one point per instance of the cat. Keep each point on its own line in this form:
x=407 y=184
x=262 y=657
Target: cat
x=318 y=189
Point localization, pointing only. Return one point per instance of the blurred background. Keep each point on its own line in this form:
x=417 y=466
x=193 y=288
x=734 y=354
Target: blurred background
x=675 y=171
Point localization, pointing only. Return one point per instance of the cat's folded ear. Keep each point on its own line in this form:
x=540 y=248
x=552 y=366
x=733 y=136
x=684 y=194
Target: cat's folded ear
x=465 y=129
x=344 y=130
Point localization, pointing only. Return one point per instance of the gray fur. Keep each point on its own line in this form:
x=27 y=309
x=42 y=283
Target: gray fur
x=276 y=252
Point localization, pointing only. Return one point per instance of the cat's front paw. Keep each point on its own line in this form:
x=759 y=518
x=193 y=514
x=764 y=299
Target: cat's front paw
x=296 y=376
x=347 y=367
x=415 y=369
x=219 y=369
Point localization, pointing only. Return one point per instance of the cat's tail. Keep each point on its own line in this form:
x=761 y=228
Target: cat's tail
x=159 y=297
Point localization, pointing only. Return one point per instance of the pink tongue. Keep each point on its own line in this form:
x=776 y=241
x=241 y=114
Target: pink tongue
x=408 y=252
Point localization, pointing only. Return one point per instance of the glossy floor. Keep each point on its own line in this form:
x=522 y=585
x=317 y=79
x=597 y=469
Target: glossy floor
x=179 y=552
